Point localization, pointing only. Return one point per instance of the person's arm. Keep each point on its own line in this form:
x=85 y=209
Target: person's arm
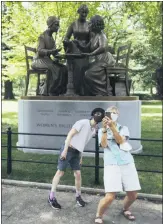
x=81 y=159
x=66 y=41
x=101 y=48
x=42 y=51
x=74 y=130
x=71 y=133
x=118 y=138
x=103 y=141
x=124 y=132
x=69 y=33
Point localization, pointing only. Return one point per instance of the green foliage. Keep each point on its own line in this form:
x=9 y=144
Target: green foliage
x=138 y=22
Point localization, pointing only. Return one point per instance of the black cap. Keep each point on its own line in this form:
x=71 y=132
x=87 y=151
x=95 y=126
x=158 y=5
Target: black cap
x=98 y=110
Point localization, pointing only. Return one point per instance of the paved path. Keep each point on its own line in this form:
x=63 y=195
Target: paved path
x=24 y=205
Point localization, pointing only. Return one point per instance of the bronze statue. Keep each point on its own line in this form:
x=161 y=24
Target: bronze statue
x=46 y=49
x=99 y=59
x=79 y=29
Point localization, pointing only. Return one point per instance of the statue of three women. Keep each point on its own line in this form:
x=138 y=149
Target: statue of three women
x=89 y=71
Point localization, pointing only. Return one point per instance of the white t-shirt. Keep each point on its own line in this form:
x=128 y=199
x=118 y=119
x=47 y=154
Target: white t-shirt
x=85 y=133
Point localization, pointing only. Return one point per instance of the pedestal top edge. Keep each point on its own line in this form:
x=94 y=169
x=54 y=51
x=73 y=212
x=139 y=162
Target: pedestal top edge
x=82 y=98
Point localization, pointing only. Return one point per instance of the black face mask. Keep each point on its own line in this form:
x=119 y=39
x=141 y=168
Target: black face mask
x=97 y=118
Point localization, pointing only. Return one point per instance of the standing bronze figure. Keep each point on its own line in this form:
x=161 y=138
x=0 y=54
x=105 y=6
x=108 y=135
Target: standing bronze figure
x=79 y=29
x=46 y=49
x=99 y=59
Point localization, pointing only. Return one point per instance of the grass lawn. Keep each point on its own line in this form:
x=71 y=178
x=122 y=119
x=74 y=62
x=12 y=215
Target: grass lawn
x=151 y=128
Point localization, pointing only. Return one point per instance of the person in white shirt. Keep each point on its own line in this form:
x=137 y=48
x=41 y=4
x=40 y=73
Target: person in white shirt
x=77 y=138
x=119 y=167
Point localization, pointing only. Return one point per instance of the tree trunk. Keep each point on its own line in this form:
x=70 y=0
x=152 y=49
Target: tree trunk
x=159 y=82
x=8 y=95
x=151 y=89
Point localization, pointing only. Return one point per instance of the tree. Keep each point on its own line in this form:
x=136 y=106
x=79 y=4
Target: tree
x=8 y=85
x=147 y=54
x=140 y=23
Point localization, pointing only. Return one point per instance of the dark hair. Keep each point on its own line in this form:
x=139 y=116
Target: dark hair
x=97 y=22
x=98 y=110
x=83 y=7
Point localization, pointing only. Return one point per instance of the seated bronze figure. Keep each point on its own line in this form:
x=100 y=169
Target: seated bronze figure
x=99 y=59
x=79 y=29
x=58 y=73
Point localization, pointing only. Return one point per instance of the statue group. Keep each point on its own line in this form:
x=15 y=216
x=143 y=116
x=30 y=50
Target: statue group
x=87 y=56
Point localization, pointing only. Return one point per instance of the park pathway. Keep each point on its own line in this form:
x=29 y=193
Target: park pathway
x=25 y=205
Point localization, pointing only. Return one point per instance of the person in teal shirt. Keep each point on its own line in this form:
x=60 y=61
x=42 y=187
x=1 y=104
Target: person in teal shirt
x=120 y=173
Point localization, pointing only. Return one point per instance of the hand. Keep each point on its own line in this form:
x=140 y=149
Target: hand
x=63 y=155
x=104 y=122
x=55 y=51
x=110 y=123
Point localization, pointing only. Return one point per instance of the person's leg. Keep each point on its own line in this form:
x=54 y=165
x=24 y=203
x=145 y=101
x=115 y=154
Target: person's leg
x=95 y=79
x=129 y=199
x=62 y=164
x=55 y=182
x=88 y=81
x=78 y=181
x=75 y=165
x=112 y=184
x=52 y=196
x=77 y=175
x=104 y=203
x=62 y=79
x=131 y=185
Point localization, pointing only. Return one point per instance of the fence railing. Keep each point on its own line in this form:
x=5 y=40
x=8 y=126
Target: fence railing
x=97 y=152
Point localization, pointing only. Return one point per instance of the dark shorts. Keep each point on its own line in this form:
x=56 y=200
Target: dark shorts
x=72 y=159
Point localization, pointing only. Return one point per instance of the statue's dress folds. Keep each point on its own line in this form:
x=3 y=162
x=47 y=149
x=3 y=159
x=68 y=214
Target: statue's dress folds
x=95 y=76
x=80 y=32
x=58 y=74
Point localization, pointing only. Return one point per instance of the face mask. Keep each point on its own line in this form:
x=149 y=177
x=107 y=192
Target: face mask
x=97 y=118
x=114 y=117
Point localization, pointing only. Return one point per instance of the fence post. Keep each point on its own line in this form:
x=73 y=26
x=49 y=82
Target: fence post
x=96 y=159
x=9 y=144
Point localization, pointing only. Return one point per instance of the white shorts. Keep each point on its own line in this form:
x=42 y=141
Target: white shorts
x=121 y=178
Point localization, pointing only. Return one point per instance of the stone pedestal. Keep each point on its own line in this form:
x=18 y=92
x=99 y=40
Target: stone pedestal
x=56 y=115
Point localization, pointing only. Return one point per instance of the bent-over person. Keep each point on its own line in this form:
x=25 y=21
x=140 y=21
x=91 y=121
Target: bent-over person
x=71 y=154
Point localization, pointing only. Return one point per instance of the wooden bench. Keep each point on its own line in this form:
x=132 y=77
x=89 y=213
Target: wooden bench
x=117 y=76
x=29 y=57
